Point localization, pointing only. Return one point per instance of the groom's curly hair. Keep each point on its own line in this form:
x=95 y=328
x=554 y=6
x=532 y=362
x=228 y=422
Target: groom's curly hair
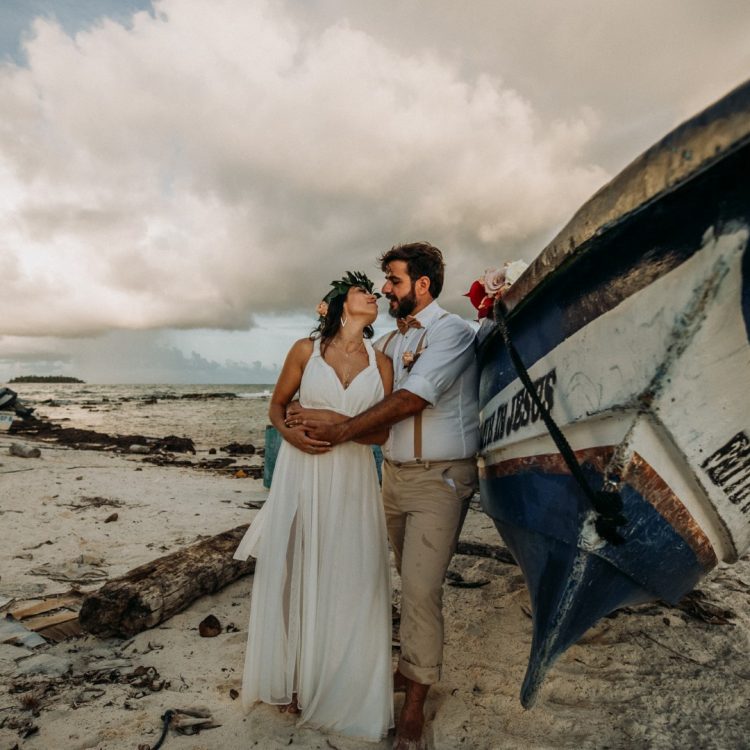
x=422 y=259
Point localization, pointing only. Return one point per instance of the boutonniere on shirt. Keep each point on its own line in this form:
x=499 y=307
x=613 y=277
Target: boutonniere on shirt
x=409 y=358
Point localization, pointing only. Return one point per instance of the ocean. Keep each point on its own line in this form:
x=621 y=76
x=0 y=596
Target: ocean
x=211 y=415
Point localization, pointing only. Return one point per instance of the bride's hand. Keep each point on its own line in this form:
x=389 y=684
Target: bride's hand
x=299 y=438
x=296 y=414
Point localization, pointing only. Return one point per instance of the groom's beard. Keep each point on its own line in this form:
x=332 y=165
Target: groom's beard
x=405 y=305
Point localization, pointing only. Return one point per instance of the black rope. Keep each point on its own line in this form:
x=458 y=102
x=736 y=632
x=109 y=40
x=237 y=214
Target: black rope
x=607 y=504
x=166 y=718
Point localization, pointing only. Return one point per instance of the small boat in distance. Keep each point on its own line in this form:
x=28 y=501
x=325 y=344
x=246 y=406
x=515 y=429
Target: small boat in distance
x=634 y=327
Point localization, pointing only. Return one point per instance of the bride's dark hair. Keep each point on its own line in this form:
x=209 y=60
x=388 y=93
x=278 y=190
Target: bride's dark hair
x=329 y=325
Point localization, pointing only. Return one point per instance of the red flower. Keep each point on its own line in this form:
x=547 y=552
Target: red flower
x=478 y=297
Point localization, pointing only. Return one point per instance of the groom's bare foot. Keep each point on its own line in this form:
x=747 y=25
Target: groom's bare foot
x=290 y=708
x=411 y=721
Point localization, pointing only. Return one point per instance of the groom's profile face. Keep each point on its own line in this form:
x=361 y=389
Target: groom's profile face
x=399 y=289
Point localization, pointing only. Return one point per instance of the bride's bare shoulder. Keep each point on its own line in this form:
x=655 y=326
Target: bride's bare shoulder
x=305 y=344
x=383 y=360
x=301 y=349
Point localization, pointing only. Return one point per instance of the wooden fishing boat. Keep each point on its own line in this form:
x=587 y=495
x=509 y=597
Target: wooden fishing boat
x=634 y=326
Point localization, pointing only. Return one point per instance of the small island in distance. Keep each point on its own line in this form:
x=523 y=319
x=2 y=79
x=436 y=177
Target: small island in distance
x=45 y=379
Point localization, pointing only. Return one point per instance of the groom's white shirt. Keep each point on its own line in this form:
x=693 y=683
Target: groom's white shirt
x=444 y=375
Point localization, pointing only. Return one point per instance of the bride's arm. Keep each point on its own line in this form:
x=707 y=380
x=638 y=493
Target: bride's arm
x=385 y=367
x=286 y=386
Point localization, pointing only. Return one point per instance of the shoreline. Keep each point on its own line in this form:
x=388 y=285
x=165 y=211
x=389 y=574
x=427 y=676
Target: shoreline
x=652 y=676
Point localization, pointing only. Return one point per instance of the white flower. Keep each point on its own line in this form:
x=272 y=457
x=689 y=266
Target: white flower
x=494 y=280
x=514 y=269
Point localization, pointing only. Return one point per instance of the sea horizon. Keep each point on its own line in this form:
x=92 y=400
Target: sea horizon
x=210 y=414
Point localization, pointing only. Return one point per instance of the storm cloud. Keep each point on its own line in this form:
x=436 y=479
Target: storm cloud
x=218 y=159
x=204 y=162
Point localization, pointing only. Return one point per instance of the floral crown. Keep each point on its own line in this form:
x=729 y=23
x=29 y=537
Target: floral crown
x=341 y=287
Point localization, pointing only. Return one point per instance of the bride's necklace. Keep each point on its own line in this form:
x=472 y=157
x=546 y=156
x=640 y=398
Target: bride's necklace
x=346 y=377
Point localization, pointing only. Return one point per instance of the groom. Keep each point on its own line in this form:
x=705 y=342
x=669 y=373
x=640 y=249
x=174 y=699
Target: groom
x=429 y=471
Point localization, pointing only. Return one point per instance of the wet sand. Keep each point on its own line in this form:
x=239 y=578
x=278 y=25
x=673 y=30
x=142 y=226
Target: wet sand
x=654 y=677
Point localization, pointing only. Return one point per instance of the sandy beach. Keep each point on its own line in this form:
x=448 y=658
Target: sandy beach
x=654 y=676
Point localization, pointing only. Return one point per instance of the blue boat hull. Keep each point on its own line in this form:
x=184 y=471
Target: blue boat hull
x=635 y=330
x=541 y=516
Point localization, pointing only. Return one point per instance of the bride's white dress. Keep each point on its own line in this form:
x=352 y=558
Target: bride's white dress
x=320 y=614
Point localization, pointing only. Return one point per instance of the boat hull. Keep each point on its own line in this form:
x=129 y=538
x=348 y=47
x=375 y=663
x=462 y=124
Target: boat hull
x=638 y=345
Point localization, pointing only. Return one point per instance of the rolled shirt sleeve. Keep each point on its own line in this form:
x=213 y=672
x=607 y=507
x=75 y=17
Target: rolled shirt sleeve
x=450 y=352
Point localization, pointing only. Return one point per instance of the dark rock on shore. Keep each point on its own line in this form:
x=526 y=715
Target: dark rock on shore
x=239 y=449
x=91 y=439
x=175 y=444
x=207 y=396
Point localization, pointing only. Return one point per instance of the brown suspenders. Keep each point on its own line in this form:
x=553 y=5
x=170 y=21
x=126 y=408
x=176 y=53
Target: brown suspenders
x=417 y=417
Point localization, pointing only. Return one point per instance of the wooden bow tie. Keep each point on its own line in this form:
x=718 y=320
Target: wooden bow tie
x=404 y=324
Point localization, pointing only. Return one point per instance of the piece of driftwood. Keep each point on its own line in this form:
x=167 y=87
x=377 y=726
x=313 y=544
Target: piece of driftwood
x=495 y=551
x=152 y=593
x=54 y=617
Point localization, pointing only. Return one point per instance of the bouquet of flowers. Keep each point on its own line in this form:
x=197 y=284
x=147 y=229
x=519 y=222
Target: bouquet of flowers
x=493 y=285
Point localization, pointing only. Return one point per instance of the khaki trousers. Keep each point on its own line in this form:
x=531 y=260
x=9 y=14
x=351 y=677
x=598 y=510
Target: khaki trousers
x=425 y=506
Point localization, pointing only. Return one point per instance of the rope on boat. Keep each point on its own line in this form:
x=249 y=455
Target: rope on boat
x=607 y=504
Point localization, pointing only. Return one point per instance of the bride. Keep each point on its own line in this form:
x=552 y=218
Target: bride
x=319 y=639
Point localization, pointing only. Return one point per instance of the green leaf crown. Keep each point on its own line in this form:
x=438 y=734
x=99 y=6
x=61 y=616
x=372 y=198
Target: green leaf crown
x=346 y=282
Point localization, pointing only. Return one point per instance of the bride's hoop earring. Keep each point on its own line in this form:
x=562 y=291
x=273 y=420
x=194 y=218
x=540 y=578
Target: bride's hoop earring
x=343 y=320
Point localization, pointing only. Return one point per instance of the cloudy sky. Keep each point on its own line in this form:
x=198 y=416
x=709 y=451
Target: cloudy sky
x=180 y=179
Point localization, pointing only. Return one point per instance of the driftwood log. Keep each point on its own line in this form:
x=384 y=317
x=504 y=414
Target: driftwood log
x=152 y=593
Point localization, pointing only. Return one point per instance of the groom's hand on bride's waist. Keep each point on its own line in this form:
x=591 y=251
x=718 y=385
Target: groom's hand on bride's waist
x=326 y=432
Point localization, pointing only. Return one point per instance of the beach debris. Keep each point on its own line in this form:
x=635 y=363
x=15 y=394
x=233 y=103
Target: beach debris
x=10 y=402
x=48 y=665
x=84 y=569
x=174 y=444
x=92 y=440
x=53 y=617
x=212 y=451
x=185 y=721
x=209 y=627
x=24 y=451
x=136 y=448
x=112 y=517
x=152 y=593
x=41 y=544
x=240 y=474
x=192 y=720
x=95 y=501
x=698 y=606
x=253 y=504
x=239 y=449
x=25 y=728
x=493 y=551
x=86 y=696
x=14 y=632
x=145 y=679
x=206 y=396
x=457 y=580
